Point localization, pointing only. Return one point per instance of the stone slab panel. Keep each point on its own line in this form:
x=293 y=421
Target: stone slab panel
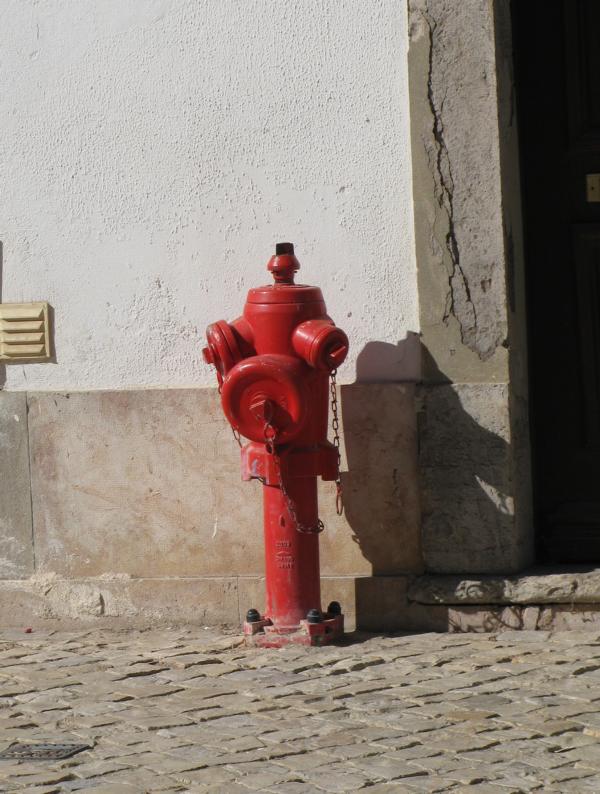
x=16 y=549
x=147 y=483
x=381 y=603
x=469 y=523
x=143 y=483
x=129 y=602
x=382 y=520
x=209 y=601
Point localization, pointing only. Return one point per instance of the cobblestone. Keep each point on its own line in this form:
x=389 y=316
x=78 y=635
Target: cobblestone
x=194 y=711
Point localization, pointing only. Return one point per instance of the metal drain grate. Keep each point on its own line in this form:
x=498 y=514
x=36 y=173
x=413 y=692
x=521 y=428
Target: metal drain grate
x=42 y=752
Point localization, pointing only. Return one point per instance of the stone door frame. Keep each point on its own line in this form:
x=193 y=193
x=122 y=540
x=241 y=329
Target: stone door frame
x=474 y=434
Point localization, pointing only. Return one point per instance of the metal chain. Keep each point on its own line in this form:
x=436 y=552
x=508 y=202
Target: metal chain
x=335 y=426
x=270 y=436
x=236 y=435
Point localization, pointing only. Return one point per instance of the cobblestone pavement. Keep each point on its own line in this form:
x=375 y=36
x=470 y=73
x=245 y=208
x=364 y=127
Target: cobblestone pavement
x=190 y=710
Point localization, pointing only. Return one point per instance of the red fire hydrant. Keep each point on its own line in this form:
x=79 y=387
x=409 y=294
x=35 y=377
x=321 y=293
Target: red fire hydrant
x=276 y=369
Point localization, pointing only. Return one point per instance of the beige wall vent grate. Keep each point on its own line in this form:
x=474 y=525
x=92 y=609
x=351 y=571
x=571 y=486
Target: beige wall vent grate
x=24 y=332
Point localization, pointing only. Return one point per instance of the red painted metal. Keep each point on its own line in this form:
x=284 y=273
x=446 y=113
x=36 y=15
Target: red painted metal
x=291 y=557
x=273 y=366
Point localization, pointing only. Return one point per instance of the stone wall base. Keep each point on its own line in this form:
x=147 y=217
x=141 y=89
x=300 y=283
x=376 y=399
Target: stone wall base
x=538 y=599
x=377 y=604
x=120 y=600
x=492 y=618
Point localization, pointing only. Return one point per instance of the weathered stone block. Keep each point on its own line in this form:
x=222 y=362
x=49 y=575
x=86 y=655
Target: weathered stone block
x=380 y=479
x=16 y=549
x=381 y=603
x=467 y=480
x=456 y=170
x=119 y=600
x=145 y=483
x=541 y=587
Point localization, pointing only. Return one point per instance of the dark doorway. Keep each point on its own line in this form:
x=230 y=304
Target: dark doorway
x=557 y=57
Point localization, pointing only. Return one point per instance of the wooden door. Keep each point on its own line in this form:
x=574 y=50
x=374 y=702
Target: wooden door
x=557 y=58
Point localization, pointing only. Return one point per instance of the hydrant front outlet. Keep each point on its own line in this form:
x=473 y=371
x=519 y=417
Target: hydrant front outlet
x=276 y=368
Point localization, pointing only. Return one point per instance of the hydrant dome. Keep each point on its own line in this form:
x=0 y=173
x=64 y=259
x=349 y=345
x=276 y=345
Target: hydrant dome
x=288 y=294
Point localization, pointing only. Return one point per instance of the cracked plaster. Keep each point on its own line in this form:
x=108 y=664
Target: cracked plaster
x=460 y=234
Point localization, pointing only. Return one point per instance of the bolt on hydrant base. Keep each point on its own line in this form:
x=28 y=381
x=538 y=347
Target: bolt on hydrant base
x=274 y=366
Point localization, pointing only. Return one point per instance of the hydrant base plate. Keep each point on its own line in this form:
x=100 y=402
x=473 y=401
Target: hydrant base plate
x=265 y=635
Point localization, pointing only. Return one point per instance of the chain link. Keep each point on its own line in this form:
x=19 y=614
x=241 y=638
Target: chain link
x=335 y=426
x=270 y=434
x=237 y=436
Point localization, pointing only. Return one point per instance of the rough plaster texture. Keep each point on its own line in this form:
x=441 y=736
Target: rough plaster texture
x=147 y=484
x=153 y=152
x=456 y=161
x=468 y=482
x=16 y=549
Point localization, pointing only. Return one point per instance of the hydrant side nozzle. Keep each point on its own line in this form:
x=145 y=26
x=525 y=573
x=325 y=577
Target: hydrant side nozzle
x=321 y=344
x=227 y=344
x=284 y=264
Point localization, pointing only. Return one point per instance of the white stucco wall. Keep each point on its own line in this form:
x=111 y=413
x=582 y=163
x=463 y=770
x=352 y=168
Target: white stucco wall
x=153 y=151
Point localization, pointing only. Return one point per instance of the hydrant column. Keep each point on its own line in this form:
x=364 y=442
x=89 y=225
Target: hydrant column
x=274 y=366
x=292 y=581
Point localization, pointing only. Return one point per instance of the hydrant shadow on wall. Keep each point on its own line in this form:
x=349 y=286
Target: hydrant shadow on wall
x=276 y=367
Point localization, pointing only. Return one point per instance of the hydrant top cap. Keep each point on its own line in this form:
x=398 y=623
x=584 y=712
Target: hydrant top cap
x=284 y=264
